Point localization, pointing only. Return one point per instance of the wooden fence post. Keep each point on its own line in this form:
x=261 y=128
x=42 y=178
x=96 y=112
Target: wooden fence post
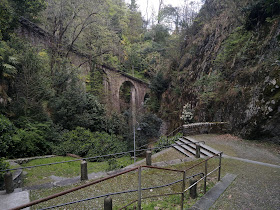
x=9 y=184
x=193 y=189
x=197 y=154
x=220 y=166
x=84 y=172
x=149 y=158
x=108 y=203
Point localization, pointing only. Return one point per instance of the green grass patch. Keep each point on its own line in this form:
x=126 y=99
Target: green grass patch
x=41 y=175
x=150 y=178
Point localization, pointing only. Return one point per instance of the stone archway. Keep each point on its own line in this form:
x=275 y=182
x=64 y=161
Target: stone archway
x=127 y=97
x=113 y=84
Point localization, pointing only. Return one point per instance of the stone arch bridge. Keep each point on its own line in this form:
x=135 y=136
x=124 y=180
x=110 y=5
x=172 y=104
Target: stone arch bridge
x=113 y=79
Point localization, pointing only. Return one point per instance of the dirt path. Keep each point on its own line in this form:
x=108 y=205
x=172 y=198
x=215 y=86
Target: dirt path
x=256 y=186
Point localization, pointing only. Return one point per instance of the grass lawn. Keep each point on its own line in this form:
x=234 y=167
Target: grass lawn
x=149 y=177
x=41 y=175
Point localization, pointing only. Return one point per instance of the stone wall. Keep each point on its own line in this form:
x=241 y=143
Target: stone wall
x=17 y=175
x=205 y=128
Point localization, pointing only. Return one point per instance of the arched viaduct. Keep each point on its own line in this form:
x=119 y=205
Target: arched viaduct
x=113 y=79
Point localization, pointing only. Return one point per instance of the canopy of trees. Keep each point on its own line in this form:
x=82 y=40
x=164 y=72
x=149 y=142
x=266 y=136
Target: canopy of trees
x=43 y=98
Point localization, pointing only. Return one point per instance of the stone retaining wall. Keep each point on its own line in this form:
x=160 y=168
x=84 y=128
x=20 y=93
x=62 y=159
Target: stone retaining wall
x=17 y=175
x=25 y=160
x=206 y=127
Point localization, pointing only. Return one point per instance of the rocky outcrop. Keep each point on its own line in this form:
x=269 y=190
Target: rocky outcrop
x=228 y=72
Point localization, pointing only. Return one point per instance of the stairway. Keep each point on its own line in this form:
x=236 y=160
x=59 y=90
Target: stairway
x=186 y=145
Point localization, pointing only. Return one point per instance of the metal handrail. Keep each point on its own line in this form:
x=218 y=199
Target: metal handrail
x=71 y=190
x=96 y=157
x=139 y=168
x=116 y=193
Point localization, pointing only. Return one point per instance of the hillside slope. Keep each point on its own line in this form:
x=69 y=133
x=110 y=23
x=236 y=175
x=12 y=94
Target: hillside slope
x=229 y=68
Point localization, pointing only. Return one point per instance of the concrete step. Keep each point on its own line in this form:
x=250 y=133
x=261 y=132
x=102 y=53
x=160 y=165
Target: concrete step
x=209 y=149
x=188 y=148
x=183 y=151
x=203 y=151
x=12 y=200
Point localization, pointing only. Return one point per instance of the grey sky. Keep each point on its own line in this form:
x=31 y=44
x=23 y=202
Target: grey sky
x=154 y=4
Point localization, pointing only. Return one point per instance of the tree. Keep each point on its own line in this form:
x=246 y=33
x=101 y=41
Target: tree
x=7 y=19
x=170 y=15
x=28 y=8
x=33 y=86
x=8 y=71
x=72 y=106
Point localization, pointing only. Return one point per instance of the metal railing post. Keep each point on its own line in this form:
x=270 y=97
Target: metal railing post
x=220 y=166
x=197 y=154
x=183 y=189
x=205 y=178
x=139 y=188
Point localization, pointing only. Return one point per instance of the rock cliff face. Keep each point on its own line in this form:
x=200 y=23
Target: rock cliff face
x=229 y=69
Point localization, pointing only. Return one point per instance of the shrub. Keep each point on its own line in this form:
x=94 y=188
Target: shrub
x=74 y=108
x=85 y=143
x=187 y=113
x=24 y=142
x=150 y=126
x=165 y=141
x=29 y=142
x=260 y=11
x=3 y=166
x=7 y=130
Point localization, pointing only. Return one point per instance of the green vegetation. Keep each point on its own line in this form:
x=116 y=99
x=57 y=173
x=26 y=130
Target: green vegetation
x=42 y=93
x=3 y=166
x=149 y=125
x=236 y=46
x=260 y=11
x=41 y=175
x=165 y=141
x=29 y=140
x=85 y=143
x=207 y=87
x=150 y=177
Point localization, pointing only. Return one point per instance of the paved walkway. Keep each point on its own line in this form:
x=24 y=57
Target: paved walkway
x=252 y=161
x=18 y=197
x=257 y=166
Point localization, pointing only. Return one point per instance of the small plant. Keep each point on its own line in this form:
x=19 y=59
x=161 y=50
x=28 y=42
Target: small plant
x=3 y=166
x=112 y=165
x=187 y=114
x=165 y=141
